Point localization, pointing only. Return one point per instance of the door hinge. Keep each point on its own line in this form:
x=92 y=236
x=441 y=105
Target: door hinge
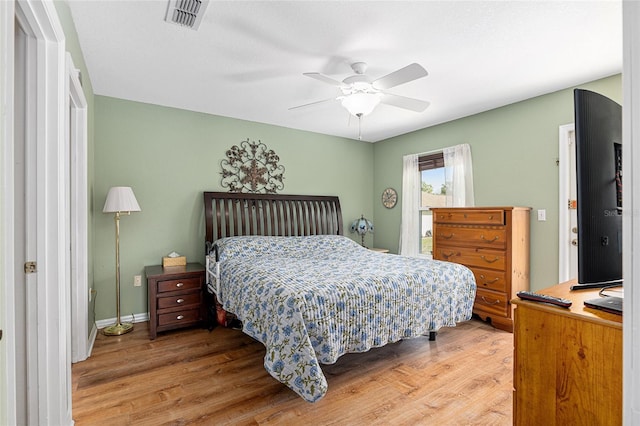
x=30 y=267
x=572 y=204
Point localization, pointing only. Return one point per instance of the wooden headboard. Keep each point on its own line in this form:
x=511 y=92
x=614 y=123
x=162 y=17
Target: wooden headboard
x=229 y=214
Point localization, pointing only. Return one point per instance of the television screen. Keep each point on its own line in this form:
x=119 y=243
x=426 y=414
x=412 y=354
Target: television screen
x=598 y=124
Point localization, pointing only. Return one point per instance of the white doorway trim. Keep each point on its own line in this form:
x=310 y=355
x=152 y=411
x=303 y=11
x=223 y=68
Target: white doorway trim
x=50 y=361
x=631 y=207
x=7 y=296
x=76 y=128
x=564 y=222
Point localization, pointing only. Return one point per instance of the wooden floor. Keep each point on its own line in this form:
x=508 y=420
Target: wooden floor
x=201 y=377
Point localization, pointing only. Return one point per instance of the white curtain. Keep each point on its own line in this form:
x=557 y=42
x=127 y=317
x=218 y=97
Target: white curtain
x=411 y=186
x=458 y=176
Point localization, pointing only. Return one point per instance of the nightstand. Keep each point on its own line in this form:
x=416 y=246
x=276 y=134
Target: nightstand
x=175 y=296
x=380 y=250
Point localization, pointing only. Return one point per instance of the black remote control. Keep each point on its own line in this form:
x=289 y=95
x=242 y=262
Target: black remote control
x=535 y=297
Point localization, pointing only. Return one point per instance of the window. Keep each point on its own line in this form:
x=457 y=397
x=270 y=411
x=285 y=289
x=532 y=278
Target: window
x=447 y=180
x=432 y=194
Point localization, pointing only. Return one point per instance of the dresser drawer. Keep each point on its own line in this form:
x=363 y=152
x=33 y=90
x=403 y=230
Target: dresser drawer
x=184 y=316
x=490 y=280
x=179 y=300
x=179 y=284
x=470 y=217
x=483 y=258
x=491 y=302
x=477 y=237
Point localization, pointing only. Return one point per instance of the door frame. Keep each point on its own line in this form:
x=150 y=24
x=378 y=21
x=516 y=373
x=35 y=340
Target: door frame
x=564 y=240
x=76 y=139
x=50 y=361
x=630 y=216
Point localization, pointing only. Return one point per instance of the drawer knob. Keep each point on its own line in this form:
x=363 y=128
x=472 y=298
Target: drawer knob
x=179 y=317
x=179 y=284
x=487 y=240
x=490 y=302
x=490 y=216
x=447 y=237
x=180 y=301
x=489 y=261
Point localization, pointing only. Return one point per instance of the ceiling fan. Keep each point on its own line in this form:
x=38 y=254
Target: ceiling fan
x=361 y=94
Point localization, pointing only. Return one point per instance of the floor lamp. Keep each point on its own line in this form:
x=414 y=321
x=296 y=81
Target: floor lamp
x=120 y=200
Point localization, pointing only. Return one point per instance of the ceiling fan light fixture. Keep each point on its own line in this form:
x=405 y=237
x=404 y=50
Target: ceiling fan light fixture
x=361 y=104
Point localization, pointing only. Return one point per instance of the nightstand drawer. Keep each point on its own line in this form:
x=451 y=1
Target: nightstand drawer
x=185 y=316
x=179 y=300
x=179 y=284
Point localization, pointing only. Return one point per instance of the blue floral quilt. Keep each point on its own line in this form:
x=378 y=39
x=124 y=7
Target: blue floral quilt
x=310 y=300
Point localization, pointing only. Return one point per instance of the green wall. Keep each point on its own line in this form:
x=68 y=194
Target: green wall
x=170 y=156
x=514 y=150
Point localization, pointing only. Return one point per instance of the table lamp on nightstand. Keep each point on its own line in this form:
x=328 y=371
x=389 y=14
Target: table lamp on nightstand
x=120 y=200
x=362 y=226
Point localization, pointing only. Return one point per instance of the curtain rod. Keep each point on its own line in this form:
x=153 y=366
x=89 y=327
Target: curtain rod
x=426 y=152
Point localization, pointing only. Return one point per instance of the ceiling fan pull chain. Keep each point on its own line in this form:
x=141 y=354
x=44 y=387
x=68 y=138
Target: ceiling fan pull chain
x=359 y=126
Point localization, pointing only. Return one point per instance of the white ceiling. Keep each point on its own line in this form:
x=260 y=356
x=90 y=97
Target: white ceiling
x=247 y=58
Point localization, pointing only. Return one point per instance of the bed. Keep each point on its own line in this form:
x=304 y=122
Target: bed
x=310 y=295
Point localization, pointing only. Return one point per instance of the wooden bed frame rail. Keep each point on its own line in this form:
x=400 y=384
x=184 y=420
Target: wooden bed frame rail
x=229 y=214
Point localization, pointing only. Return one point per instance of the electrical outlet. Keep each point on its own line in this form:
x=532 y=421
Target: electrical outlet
x=137 y=281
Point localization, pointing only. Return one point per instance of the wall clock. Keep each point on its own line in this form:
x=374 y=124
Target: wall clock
x=389 y=198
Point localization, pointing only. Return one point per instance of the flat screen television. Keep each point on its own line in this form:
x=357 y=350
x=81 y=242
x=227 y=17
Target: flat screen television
x=598 y=131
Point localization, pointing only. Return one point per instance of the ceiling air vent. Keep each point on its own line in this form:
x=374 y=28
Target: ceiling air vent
x=187 y=13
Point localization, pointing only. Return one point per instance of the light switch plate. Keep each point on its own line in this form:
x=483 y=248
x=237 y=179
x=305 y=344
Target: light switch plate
x=542 y=215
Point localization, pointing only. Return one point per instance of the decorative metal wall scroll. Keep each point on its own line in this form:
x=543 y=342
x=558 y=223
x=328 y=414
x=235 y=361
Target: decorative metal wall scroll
x=251 y=167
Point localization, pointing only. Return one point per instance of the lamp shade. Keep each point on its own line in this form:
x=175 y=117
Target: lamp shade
x=362 y=226
x=121 y=199
x=361 y=103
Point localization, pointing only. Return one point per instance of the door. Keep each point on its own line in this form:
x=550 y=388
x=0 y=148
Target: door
x=38 y=362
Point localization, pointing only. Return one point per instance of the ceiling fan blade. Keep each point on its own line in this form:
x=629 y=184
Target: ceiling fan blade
x=401 y=76
x=403 y=102
x=312 y=103
x=323 y=78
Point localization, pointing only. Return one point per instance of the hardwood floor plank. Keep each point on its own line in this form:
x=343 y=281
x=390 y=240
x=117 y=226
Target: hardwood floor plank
x=198 y=377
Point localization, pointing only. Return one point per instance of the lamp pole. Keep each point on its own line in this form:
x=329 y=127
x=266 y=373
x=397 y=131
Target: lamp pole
x=118 y=328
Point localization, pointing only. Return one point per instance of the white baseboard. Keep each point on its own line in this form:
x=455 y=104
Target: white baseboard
x=92 y=339
x=141 y=317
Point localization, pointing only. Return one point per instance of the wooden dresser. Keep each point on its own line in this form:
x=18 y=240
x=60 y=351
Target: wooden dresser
x=494 y=243
x=567 y=367
x=175 y=296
